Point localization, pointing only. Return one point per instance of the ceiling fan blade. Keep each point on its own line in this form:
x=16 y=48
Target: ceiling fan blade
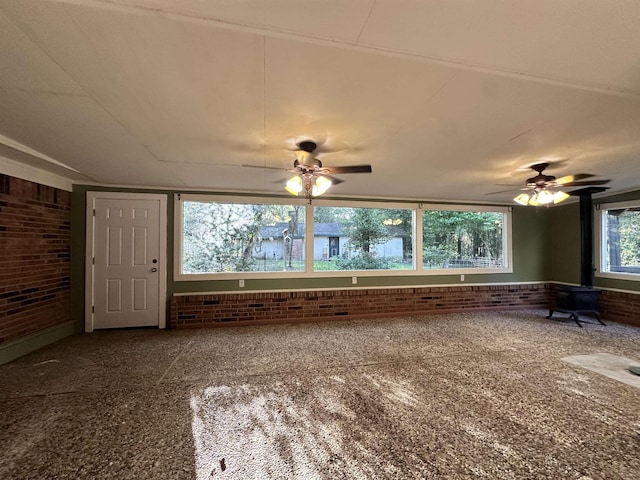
x=262 y=167
x=282 y=180
x=349 y=169
x=334 y=180
x=573 y=178
x=586 y=183
x=588 y=191
x=502 y=191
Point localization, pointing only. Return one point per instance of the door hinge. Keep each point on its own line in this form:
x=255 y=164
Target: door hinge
x=94 y=212
x=93 y=261
x=93 y=309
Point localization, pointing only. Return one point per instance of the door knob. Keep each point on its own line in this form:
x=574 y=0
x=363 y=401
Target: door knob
x=154 y=269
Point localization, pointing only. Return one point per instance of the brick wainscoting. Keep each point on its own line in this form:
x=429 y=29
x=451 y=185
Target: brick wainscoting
x=35 y=225
x=200 y=310
x=613 y=305
x=623 y=307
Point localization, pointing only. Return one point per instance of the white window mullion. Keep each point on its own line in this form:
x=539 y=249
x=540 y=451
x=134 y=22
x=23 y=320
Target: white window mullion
x=417 y=239
x=309 y=240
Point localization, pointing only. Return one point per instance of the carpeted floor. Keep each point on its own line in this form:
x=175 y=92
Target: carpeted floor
x=482 y=395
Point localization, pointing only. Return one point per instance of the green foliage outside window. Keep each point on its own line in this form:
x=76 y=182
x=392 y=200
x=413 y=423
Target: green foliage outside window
x=456 y=239
x=363 y=236
x=623 y=233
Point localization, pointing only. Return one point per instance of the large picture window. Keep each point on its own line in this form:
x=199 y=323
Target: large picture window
x=463 y=239
x=620 y=240
x=362 y=238
x=244 y=237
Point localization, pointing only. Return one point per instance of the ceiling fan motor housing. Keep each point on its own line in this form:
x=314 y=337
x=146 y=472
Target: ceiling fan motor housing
x=540 y=179
x=307 y=146
x=305 y=155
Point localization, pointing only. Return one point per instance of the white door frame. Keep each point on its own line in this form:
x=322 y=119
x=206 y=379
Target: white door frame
x=90 y=247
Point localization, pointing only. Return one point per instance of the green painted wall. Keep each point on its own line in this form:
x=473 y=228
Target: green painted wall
x=530 y=260
x=564 y=243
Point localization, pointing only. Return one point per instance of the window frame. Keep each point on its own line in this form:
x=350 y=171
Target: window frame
x=417 y=207
x=361 y=204
x=180 y=198
x=506 y=240
x=600 y=233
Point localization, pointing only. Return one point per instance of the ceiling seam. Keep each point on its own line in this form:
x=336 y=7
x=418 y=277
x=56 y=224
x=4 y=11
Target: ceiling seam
x=264 y=104
x=89 y=96
x=366 y=21
x=44 y=92
x=263 y=30
x=46 y=54
x=432 y=96
x=501 y=72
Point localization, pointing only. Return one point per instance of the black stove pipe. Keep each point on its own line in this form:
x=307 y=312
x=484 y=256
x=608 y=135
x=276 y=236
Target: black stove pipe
x=586 y=234
x=586 y=240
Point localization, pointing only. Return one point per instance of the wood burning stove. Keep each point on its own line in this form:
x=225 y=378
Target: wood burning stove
x=583 y=299
x=576 y=301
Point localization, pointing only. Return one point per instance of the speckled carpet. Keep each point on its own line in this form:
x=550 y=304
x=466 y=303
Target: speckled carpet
x=459 y=396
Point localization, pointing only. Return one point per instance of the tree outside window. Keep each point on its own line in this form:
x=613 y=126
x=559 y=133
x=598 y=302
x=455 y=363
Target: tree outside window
x=622 y=240
x=461 y=239
x=236 y=237
x=366 y=238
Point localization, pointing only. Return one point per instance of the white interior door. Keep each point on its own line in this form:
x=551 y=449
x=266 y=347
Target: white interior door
x=126 y=260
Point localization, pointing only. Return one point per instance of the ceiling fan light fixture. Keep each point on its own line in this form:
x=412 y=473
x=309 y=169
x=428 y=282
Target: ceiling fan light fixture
x=541 y=197
x=320 y=186
x=544 y=197
x=522 y=199
x=543 y=189
x=312 y=185
x=312 y=179
x=294 y=185
x=560 y=197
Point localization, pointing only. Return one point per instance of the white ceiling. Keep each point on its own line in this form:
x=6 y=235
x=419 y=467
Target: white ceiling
x=447 y=100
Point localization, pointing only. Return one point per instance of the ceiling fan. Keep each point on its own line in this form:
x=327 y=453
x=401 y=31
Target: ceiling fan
x=312 y=179
x=544 y=189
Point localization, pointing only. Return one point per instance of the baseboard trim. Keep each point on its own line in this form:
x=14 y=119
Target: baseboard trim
x=18 y=348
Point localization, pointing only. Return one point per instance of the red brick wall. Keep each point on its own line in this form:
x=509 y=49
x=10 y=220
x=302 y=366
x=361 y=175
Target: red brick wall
x=35 y=232
x=615 y=306
x=623 y=307
x=258 y=308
